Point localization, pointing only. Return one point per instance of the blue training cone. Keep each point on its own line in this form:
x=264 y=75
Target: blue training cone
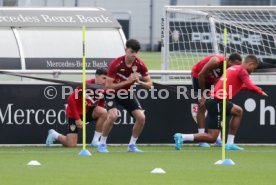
x=226 y=162
x=85 y=153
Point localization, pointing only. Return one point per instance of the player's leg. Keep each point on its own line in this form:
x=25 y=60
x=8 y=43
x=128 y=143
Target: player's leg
x=99 y=114
x=70 y=140
x=214 y=125
x=200 y=115
x=133 y=107
x=140 y=118
x=236 y=112
x=209 y=137
x=112 y=115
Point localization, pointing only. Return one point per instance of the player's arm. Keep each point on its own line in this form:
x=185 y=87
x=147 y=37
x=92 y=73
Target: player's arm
x=72 y=104
x=109 y=84
x=213 y=63
x=248 y=84
x=145 y=82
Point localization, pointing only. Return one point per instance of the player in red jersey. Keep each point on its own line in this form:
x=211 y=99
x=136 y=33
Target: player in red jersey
x=95 y=111
x=237 y=79
x=123 y=72
x=206 y=73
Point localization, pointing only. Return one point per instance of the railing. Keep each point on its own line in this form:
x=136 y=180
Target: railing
x=163 y=75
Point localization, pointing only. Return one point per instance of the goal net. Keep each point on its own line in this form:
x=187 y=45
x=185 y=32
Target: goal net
x=191 y=33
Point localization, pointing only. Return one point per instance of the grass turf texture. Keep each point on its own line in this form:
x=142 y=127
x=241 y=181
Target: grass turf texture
x=152 y=59
x=192 y=165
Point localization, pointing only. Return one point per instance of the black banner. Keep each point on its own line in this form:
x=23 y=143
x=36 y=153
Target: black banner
x=197 y=37
x=9 y=63
x=28 y=111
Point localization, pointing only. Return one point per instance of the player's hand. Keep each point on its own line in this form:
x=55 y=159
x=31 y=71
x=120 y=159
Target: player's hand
x=133 y=77
x=201 y=101
x=264 y=94
x=79 y=123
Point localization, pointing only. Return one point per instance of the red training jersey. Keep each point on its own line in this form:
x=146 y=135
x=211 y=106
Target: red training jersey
x=74 y=108
x=237 y=79
x=215 y=74
x=120 y=72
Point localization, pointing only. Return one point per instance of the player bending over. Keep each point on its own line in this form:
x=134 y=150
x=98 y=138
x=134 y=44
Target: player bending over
x=123 y=72
x=237 y=79
x=206 y=73
x=94 y=111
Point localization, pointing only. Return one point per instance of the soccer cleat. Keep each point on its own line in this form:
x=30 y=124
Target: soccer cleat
x=133 y=148
x=94 y=144
x=102 y=148
x=218 y=143
x=178 y=141
x=204 y=145
x=50 y=138
x=232 y=147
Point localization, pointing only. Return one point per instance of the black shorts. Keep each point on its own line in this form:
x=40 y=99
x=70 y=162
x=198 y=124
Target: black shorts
x=196 y=84
x=214 y=116
x=130 y=103
x=72 y=127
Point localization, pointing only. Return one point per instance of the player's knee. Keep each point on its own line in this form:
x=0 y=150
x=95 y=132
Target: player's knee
x=212 y=139
x=103 y=114
x=238 y=111
x=141 y=119
x=112 y=117
x=71 y=145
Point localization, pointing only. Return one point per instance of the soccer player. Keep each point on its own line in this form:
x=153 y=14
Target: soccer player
x=237 y=79
x=206 y=73
x=123 y=72
x=94 y=111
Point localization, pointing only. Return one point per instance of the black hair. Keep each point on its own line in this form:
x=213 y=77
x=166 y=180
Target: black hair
x=235 y=56
x=133 y=44
x=101 y=71
x=252 y=58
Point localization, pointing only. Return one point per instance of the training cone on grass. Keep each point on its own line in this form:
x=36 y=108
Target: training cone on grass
x=85 y=153
x=226 y=162
x=158 y=170
x=33 y=163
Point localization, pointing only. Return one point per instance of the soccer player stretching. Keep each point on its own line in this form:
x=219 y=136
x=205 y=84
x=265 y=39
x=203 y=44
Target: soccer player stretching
x=206 y=73
x=94 y=111
x=237 y=79
x=122 y=74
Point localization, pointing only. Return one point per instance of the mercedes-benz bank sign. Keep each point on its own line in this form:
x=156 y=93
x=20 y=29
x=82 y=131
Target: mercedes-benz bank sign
x=27 y=114
x=10 y=115
x=41 y=17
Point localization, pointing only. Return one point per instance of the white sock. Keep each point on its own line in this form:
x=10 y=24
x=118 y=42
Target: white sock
x=103 y=140
x=219 y=136
x=230 y=139
x=55 y=134
x=188 y=137
x=132 y=140
x=96 y=137
x=201 y=130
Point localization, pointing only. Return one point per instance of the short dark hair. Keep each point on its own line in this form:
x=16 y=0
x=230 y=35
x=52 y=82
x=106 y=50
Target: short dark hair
x=133 y=44
x=235 y=56
x=253 y=58
x=101 y=71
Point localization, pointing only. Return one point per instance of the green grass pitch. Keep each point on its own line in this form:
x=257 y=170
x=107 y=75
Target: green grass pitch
x=191 y=166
